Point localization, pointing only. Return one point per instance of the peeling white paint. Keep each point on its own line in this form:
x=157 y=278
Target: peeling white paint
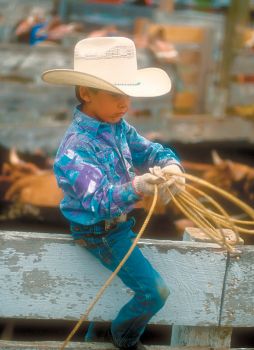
x=51 y=277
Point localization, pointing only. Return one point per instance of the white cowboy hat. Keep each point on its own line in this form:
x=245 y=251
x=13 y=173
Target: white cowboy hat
x=109 y=63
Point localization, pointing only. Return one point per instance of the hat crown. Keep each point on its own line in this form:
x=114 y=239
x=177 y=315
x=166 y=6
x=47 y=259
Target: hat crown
x=110 y=58
x=110 y=64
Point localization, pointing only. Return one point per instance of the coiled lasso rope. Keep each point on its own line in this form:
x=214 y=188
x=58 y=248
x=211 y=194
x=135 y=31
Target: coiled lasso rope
x=212 y=223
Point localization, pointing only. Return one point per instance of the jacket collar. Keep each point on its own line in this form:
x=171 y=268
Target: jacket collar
x=88 y=124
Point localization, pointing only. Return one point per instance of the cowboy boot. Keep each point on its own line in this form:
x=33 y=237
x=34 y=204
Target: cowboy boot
x=109 y=337
x=138 y=346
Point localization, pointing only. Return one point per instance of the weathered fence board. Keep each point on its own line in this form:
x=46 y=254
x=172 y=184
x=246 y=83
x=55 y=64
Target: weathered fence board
x=13 y=345
x=46 y=276
x=238 y=305
x=99 y=14
x=27 y=62
x=199 y=336
x=50 y=345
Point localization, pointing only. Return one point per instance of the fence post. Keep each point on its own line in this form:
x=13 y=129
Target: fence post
x=216 y=337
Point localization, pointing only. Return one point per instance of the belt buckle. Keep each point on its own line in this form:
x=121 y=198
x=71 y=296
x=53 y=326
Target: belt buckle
x=109 y=224
x=106 y=225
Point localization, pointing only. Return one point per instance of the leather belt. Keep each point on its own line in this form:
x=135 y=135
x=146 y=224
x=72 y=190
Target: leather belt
x=103 y=226
x=109 y=224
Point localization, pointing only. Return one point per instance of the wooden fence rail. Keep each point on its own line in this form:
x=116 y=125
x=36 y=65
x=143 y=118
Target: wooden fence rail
x=46 y=276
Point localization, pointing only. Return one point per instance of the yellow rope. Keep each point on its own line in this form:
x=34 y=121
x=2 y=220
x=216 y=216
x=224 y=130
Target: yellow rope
x=212 y=201
x=199 y=207
x=211 y=222
x=223 y=218
x=230 y=222
x=218 y=219
x=246 y=208
x=204 y=224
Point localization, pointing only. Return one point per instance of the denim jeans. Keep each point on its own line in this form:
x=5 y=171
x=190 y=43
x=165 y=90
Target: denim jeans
x=150 y=291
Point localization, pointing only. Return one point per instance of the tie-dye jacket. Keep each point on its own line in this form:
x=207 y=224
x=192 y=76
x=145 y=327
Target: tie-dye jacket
x=95 y=165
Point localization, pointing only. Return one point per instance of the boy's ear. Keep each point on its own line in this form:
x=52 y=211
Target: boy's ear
x=84 y=94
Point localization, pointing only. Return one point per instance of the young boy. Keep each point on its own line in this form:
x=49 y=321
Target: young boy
x=96 y=168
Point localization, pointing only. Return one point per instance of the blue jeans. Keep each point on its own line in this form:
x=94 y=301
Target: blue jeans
x=137 y=273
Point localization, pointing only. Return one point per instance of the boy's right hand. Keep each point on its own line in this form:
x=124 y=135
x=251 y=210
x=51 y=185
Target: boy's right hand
x=144 y=184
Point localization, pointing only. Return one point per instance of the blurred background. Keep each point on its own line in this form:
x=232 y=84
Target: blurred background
x=206 y=47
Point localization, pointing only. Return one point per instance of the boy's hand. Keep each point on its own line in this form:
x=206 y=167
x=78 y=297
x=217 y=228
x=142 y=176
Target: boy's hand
x=144 y=184
x=172 y=181
x=175 y=182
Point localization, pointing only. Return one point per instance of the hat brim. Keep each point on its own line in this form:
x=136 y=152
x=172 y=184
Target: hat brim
x=150 y=82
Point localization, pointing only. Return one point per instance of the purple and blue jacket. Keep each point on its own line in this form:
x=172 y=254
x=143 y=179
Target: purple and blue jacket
x=95 y=165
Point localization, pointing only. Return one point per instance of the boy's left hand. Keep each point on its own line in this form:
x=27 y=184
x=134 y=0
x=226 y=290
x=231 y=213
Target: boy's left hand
x=174 y=182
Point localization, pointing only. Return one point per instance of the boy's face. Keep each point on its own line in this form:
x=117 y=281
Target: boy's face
x=103 y=105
